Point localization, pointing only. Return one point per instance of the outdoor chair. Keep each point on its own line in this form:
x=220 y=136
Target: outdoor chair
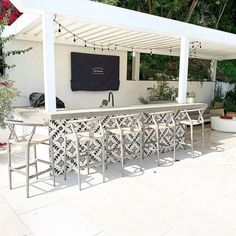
x=191 y=122
x=126 y=125
x=161 y=121
x=27 y=141
x=92 y=132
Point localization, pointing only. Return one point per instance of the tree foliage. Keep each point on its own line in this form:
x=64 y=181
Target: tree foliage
x=217 y=14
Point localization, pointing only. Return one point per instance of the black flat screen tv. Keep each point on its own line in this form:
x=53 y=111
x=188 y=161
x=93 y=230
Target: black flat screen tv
x=94 y=72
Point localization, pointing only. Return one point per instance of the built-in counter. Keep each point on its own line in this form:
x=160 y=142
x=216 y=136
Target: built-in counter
x=104 y=111
x=57 y=122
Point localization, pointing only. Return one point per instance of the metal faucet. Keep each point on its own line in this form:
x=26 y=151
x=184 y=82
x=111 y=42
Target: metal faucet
x=111 y=98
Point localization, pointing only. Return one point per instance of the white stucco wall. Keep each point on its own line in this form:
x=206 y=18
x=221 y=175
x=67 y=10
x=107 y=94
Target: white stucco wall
x=28 y=77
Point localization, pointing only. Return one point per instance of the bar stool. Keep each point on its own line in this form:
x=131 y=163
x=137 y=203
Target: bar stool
x=92 y=132
x=31 y=139
x=191 y=122
x=122 y=130
x=166 y=122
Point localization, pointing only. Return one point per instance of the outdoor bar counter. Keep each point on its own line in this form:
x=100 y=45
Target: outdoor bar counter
x=58 y=126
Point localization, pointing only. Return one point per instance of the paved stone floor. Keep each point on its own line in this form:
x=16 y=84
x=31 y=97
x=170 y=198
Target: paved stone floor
x=193 y=197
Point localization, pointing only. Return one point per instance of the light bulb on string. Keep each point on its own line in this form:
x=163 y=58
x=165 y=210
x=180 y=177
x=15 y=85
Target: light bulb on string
x=94 y=47
x=108 y=48
x=115 y=47
x=102 y=47
x=150 y=52
x=59 y=29
x=133 y=52
x=85 y=44
x=74 y=39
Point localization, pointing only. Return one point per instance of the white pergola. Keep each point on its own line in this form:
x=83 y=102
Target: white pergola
x=115 y=28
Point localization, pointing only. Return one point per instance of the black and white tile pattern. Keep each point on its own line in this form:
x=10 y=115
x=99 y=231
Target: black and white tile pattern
x=58 y=128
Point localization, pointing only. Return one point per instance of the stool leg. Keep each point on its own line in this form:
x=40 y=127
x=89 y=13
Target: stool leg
x=157 y=146
x=191 y=133
x=122 y=143
x=65 y=158
x=88 y=154
x=174 y=134
x=52 y=161
x=203 y=138
x=9 y=164
x=27 y=170
x=141 y=149
x=106 y=157
x=103 y=160
x=36 y=161
x=78 y=164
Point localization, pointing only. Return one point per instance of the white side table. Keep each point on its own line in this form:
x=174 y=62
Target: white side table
x=223 y=125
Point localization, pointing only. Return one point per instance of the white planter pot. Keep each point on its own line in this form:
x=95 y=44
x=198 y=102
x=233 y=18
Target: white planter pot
x=190 y=100
x=4 y=133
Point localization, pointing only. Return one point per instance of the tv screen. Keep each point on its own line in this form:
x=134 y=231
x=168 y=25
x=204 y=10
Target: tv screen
x=94 y=72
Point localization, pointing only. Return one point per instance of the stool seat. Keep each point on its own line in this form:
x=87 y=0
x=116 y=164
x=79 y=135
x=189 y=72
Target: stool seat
x=193 y=122
x=125 y=130
x=160 y=126
x=83 y=136
x=36 y=139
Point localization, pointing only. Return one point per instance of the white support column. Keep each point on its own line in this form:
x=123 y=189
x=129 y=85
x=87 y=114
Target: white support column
x=183 y=69
x=136 y=66
x=213 y=69
x=49 y=62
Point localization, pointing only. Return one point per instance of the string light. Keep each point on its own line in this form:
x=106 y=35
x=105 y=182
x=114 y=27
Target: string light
x=75 y=37
x=59 y=29
x=133 y=52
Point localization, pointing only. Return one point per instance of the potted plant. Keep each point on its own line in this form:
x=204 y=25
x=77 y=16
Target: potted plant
x=230 y=103
x=158 y=93
x=191 y=97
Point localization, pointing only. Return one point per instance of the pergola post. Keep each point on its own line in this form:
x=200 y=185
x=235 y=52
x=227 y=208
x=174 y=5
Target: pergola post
x=183 y=69
x=213 y=69
x=136 y=66
x=49 y=61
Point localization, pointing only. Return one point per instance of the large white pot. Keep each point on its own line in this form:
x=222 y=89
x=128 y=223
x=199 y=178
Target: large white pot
x=4 y=133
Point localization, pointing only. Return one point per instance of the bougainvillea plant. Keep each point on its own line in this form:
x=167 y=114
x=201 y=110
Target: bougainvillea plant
x=7 y=90
x=8 y=10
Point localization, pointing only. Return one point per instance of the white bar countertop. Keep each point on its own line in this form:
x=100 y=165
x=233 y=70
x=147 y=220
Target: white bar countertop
x=40 y=114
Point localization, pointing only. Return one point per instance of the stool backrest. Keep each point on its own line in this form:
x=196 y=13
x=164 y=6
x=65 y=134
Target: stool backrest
x=94 y=126
x=169 y=117
x=133 y=121
x=199 y=111
x=13 y=124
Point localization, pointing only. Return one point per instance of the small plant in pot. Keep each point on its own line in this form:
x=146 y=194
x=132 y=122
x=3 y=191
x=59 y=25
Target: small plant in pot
x=158 y=93
x=218 y=101
x=191 y=96
x=230 y=103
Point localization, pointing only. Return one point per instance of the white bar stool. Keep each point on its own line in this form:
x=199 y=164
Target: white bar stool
x=160 y=125
x=133 y=127
x=191 y=122
x=31 y=139
x=93 y=132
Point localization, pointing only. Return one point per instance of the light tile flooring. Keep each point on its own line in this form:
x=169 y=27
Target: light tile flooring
x=194 y=197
